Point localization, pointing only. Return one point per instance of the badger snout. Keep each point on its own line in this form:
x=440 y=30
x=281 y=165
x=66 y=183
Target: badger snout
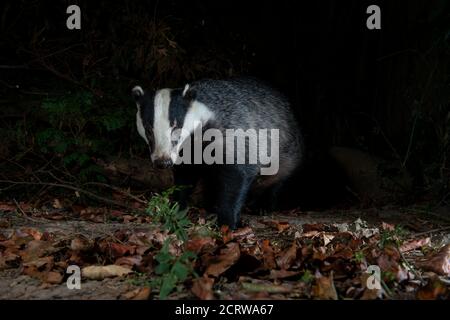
x=163 y=163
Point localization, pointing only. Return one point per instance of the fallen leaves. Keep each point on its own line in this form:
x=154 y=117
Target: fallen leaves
x=138 y=294
x=280 y=226
x=316 y=261
x=324 y=287
x=287 y=257
x=389 y=262
x=269 y=262
x=202 y=288
x=438 y=262
x=228 y=256
x=199 y=244
x=415 y=244
x=102 y=272
x=81 y=244
x=435 y=289
x=11 y=206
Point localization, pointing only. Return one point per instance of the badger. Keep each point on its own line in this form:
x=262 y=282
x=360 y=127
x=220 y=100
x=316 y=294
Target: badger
x=171 y=121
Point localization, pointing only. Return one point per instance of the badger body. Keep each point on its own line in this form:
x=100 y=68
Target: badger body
x=168 y=118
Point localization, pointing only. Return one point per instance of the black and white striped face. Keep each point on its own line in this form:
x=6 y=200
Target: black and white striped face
x=165 y=118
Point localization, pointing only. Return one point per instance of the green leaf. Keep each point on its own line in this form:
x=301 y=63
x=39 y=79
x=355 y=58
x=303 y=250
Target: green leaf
x=180 y=270
x=168 y=284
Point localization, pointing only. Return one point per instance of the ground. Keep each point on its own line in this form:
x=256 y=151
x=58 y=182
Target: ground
x=281 y=256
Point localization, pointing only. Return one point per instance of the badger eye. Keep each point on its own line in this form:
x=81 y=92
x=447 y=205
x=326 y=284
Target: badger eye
x=175 y=137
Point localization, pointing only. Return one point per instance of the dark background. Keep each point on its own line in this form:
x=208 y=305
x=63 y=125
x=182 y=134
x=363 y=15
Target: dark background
x=65 y=102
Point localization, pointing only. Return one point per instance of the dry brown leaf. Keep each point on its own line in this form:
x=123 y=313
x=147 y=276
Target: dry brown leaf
x=307 y=227
x=198 y=244
x=7 y=207
x=53 y=277
x=371 y=294
x=324 y=288
x=343 y=253
x=387 y=226
x=310 y=234
x=57 y=204
x=36 y=249
x=130 y=261
x=143 y=294
x=202 y=288
x=102 y=272
x=319 y=253
x=268 y=255
x=241 y=233
x=438 y=263
x=118 y=250
x=10 y=257
x=327 y=237
x=36 y=234
x=414 y=244
x=32 y=271
x=127 y=218
x=226 y=233
x=228 y=257
x=287 y=257
x=137 y=294
x=435 y=289
x=81 y=244
x=282 y=274
x=389 y=262
x=280 y=226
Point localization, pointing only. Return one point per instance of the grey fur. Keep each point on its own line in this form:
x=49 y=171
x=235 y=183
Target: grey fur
x=250 y=104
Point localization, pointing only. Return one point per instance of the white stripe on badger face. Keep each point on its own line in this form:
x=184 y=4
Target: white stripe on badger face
x=197 y=115
x=140 y=124
x=161 y=125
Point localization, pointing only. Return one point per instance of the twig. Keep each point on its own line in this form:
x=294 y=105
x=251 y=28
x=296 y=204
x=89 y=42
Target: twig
x=386 y=289
x=66 y=186
x=129 y=195
x=3 y=66
x=411 y=137
x=19 y=208
x=411 y=267
x=432 y=231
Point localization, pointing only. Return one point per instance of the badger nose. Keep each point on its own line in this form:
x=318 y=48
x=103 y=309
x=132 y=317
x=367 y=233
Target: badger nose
x=163 y=163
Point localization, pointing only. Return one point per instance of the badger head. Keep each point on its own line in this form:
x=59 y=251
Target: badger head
x=165 y=119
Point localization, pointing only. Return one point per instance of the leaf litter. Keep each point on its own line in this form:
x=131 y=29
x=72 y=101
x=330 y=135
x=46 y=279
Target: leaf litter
x=270 y=259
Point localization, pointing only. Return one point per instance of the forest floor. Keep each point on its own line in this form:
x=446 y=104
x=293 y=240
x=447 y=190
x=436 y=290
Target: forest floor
x=286 y=255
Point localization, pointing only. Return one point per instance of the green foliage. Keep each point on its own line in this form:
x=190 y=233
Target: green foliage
x=388 y=276
x=394 y=237
x=171 y=270
x=307 y=277
x=79 y=128
x=359 y=256
x=168 y=213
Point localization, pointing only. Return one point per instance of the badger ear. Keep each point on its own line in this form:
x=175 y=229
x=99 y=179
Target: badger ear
x=137 y=93
x=188 y=93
